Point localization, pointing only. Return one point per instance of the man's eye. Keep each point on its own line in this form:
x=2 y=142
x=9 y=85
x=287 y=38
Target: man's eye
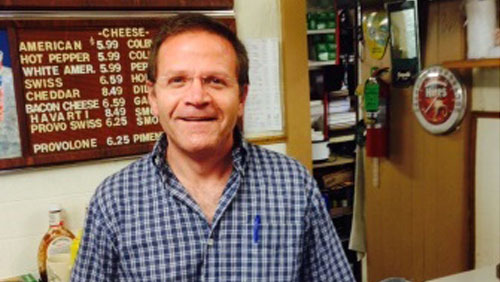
x=214 y=81
x=176 y=81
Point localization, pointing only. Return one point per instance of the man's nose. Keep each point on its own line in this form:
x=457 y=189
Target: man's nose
x=197 y=94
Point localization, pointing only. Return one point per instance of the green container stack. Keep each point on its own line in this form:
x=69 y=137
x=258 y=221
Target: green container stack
x=322 y=46
x=321 y=20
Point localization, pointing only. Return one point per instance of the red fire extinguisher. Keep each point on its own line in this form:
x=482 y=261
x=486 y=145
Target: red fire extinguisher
x=377 y=114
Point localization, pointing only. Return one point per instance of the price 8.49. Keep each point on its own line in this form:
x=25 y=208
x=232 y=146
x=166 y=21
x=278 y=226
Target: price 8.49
x=111 y=91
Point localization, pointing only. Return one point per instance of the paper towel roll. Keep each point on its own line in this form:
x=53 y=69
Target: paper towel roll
x=481 y=24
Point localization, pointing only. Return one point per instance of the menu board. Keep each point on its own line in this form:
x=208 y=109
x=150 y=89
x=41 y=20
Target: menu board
x=81 y=89
x=115 y=4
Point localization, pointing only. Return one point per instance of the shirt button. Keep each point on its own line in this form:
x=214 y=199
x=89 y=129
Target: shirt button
x=210 y=242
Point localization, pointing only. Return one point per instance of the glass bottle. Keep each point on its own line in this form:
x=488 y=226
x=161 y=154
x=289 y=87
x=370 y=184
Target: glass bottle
x=57 y=240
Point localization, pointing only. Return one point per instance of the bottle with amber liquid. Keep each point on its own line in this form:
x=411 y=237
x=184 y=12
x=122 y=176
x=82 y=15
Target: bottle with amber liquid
x=56 y=241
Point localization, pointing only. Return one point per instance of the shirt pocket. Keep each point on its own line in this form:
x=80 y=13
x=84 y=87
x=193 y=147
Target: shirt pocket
x=276 y=253
x=274 y=239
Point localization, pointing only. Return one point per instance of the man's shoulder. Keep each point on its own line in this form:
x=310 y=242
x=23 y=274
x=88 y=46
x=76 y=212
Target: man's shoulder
x=283 y=177
x=263 y=158
x=129 y=178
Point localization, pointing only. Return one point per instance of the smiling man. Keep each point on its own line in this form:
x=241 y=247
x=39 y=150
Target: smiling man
x=205 y=205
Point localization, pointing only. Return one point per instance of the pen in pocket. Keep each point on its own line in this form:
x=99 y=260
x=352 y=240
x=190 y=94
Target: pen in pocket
x=256 y=229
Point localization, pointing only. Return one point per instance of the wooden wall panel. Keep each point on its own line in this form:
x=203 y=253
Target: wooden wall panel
x=390 y=205
x=418 y=219
x=296 y=81
x=447 y=236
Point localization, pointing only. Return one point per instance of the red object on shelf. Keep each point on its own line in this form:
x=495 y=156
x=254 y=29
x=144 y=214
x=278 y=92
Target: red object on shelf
x=376 y=142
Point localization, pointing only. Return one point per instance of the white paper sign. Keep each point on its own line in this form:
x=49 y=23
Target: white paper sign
x=263 y=114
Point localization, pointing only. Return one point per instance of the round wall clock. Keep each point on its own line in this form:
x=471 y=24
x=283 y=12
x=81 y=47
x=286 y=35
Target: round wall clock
x=439 y=100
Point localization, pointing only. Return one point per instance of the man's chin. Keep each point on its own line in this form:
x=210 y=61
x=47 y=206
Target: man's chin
x=203 y=145
x=200 y=145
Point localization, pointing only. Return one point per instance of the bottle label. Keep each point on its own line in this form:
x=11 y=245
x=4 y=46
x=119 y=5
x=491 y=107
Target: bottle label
x=60 y=245
x=54 y=218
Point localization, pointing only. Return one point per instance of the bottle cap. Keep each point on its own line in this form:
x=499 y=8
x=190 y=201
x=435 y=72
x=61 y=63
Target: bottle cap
x=55 y=207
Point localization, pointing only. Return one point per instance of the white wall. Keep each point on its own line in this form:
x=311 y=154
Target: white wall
x=486 y=98
x=487 y=193
x=486 y=86
x=26 y=194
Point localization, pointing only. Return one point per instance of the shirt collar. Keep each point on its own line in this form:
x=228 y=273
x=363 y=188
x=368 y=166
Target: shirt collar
x=239 y=153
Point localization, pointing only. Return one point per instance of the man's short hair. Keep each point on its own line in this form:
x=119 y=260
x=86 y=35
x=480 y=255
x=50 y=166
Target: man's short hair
x=198 y=22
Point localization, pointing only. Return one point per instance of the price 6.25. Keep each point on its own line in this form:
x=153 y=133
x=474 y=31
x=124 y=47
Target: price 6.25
x=118 y=140
x=116 y=121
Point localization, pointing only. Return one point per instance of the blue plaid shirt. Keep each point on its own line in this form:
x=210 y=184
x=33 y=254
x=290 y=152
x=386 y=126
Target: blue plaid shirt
x=271 y=224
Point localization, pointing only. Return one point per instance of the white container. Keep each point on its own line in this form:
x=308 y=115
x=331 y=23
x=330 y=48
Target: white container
x=320 y=150
x=481 y=25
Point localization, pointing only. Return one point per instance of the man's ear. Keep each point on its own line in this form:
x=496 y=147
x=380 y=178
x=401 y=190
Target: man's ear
x=153 y=103
x=243 y=99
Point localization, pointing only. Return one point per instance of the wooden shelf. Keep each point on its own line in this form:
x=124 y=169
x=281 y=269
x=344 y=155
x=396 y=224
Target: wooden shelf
x=266 y=140
x=339 y=93
x=340 y=211
x=334 y=161
x=342 y=138
x=321 y=31
x=469 y=64
x=313 y=64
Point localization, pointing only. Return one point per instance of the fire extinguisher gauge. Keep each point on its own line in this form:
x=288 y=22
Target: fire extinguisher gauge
x=439 y=100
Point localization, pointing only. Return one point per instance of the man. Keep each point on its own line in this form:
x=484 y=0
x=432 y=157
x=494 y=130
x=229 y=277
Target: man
x=205 y=205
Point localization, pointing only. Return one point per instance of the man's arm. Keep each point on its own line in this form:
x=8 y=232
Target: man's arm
x=324 y=259
x=96 y=259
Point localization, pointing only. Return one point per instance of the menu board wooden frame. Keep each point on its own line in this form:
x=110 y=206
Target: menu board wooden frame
x=59 y=68
x=122 y=4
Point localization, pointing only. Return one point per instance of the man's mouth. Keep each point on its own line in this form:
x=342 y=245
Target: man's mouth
x=198 y=119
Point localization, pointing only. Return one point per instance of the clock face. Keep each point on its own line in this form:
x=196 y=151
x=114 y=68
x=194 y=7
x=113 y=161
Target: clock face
x=439 y=100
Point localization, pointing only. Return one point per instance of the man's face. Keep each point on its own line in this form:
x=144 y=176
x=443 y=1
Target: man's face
x=196 y=95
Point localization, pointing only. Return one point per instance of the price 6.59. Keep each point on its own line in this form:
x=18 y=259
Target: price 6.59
x=111 y=79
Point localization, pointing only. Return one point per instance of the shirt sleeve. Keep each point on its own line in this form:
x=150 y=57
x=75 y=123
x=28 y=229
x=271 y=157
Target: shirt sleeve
x=97 y=256
x=324 y=258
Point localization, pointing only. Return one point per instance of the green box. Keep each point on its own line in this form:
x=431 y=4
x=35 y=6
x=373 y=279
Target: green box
x=322 y=19
x=330 y=38
x=323 y=16
x=321 y=47
x=331 y=16
x=332 y=56
x=311 y=21
x=321 y=24
x=331 y=47
x=321 y=52
x=317 y=38
x=331 y=24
